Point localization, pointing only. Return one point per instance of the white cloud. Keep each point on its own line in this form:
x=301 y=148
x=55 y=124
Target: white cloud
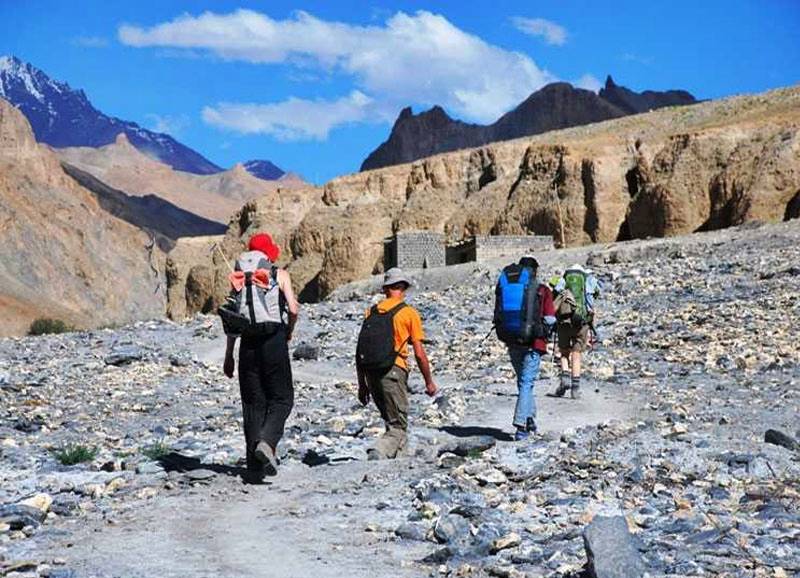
x=292 y=119
x=589 y=82
x=90 y=41
x=551 y=32
x=633 y=57
x=420 y=59
x=172 y=125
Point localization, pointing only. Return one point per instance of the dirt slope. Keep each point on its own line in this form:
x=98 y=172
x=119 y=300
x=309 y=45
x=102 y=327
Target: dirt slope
x=61 y=254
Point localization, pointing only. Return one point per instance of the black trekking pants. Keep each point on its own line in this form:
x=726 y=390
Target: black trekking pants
x=265 y=382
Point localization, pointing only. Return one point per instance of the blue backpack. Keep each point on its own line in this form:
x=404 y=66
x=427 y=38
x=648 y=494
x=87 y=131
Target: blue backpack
x=517 y=312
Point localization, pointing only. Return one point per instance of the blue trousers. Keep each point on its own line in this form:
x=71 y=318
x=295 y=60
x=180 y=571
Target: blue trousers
x=526 y=366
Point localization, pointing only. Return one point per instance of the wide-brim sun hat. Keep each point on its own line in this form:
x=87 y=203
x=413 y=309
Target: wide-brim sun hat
x=394 y=276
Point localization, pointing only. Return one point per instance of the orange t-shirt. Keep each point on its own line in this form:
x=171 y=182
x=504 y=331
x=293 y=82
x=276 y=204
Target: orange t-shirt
x=407 y=328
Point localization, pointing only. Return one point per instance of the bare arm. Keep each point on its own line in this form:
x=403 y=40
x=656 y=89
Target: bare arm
x=424 y=367
x=285 y=284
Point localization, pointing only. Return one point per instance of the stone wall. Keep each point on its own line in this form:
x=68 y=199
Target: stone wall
x=416 y=250
x=501 y=246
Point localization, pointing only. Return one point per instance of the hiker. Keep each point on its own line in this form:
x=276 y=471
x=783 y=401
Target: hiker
x=262 y=310
x=576 y=292
x=382 y=361
x=524 y=316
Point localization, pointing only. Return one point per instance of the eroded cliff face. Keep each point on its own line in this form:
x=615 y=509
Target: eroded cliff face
x=61 y=254
x=665 y=173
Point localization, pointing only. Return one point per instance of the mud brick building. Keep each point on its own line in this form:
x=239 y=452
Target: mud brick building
x=415 y=250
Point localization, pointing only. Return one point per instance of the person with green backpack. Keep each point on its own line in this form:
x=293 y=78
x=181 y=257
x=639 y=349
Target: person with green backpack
x=576 y=292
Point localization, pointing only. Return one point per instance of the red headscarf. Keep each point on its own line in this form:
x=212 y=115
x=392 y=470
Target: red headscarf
x=264 y=243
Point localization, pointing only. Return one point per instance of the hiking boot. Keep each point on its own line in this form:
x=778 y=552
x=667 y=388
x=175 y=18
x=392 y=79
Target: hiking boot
x=575 y=389
x=266 y=455
x=521 y=435
x=530 y=425
x=563 y=386
x=253 y=476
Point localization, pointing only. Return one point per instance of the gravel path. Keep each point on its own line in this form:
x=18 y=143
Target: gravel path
x=699 y=364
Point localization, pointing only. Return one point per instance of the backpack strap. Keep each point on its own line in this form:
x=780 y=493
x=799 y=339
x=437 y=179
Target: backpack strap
x=248 y=282
x=394 y=310
x=283 y=306
x=391 y=313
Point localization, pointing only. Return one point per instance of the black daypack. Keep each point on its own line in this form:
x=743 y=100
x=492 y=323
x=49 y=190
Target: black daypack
x=375 y=349
x=517 y=311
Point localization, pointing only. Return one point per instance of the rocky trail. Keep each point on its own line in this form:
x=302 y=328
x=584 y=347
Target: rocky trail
x=699 y=358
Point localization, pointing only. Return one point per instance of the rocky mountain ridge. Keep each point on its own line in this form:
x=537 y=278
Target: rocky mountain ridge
x=556 y=106
x=214 y=196
x=64 y=117
x=61 y=254
x=665 y=173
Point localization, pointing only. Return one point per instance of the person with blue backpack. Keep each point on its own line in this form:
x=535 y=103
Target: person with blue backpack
x=524 y=316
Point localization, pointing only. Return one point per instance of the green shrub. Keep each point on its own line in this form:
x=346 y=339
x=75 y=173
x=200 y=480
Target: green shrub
x=46 y=326
x=75 y=454
x=157 y=451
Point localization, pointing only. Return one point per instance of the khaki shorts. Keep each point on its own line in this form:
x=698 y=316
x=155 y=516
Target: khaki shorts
x=571 y=338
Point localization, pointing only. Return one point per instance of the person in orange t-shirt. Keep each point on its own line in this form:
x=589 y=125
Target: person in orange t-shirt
x=389 y=388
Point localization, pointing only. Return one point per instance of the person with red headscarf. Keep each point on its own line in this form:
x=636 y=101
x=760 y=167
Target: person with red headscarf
x=265 y=373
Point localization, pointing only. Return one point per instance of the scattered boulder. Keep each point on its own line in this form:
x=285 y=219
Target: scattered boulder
x=41 y=502
x=306 y=351
x=19 y=516
x=610 y=549
x=410 y=531
x=200 y=475
x=511 y=540
x=778 y=438
x=124 y=355
x=451 y=529
x=469 y=446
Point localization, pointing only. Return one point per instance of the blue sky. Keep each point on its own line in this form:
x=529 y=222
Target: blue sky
x=315 y=86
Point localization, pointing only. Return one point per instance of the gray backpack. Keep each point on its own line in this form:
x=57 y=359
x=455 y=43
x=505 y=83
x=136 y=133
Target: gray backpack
x=256 y=305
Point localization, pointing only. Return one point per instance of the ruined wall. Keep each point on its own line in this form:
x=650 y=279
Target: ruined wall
x=509 y=246
x=417 y=250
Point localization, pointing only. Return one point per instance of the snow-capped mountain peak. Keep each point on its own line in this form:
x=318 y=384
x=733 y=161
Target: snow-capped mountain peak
x=62 y=117
x=263 y=170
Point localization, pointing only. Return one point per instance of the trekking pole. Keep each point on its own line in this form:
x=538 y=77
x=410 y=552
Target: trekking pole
x=224 y=258
x=485 y=337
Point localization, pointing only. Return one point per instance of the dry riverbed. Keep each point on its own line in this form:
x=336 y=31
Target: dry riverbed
x=698 y=359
